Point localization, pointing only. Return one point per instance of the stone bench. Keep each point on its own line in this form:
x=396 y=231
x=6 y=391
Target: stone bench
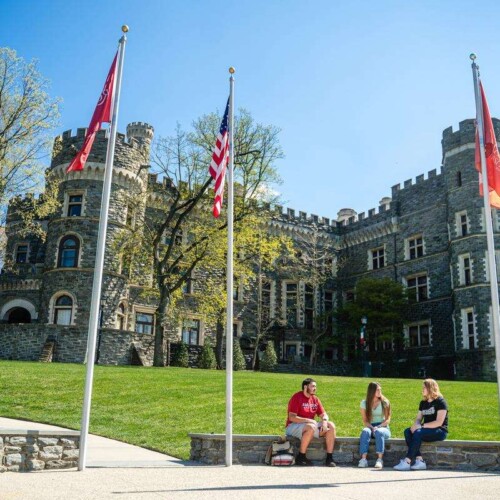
x=28 y=450
x=251 y=449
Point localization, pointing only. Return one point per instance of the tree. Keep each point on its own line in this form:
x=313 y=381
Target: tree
x=179 y=234
x=206 y=359
x=384 y=303
x=27 y=117
x=239 y=362
x=181 y=357
x=269 y=360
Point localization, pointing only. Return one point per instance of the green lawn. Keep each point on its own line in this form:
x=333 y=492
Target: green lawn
x=157 y=407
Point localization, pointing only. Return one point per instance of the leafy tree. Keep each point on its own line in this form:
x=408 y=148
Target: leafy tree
x=181 y=357
x=269 y=360
x=179 y=234
x=206 y=359
x=239 y=362
x=27 y=117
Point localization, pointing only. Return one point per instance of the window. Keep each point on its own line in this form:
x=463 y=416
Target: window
x=22 y=253
x=469 y=329
x=130 y=217
x=459 y=179
x=237 y=329
x=191 y=331
x=419 y=335
x=187 y=288
x=75 y=205
x=120 y=317
x=417 y=288
x=377 y=258
x=144 y=322
x=415 y=247
x=384 y=342
x=265 y=303
x=63 y=308
x=465 y=269
x=68 y=252
x=291 y=304
x=309 y=307
x=237 y=290
x=328 y=310
x=462 y=223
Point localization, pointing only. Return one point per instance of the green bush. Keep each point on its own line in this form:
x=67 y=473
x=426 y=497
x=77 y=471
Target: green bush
x=181 y=356
x=239 y=362
x=269 y=360
x=206 y=359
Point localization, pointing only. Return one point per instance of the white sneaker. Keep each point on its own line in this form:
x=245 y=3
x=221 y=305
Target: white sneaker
x=418 y=465
x=379 y=464
x=403 y=465
x=363 y=463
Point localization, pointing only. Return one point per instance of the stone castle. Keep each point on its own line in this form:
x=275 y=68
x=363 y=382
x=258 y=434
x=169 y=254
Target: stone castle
x=429 y=236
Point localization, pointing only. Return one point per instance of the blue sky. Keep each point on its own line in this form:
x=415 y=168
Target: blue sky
x=361 y=90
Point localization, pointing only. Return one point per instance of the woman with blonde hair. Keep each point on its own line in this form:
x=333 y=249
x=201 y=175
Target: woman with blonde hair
x=431 y=424
x=376 y=415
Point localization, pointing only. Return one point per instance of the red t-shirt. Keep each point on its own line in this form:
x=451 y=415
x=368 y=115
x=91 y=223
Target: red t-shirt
x=305 y=407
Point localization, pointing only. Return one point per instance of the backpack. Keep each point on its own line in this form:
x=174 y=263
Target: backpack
x=280 y=453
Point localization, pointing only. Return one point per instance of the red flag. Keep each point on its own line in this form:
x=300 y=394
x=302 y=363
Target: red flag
x=492 y=155
x=220 y=157
x=102 y=114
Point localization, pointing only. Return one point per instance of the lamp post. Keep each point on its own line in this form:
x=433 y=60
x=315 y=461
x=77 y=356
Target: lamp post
x=362 y=342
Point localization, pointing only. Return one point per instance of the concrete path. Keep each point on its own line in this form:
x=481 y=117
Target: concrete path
x=120 y=471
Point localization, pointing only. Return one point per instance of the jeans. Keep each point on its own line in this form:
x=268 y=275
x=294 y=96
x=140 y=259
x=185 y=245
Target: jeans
x=381 y=434
x=414 y=440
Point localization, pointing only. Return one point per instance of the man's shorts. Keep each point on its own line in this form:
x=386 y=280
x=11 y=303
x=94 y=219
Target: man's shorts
x=295 y=430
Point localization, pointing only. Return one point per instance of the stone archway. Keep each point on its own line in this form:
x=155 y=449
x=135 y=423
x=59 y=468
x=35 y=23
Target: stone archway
x=11 y=307
x=18 y=315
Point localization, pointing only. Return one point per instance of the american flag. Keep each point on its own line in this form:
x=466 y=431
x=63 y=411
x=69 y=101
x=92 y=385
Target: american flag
x=220 y=157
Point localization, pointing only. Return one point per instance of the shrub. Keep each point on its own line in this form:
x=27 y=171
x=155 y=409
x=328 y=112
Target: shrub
x=206 y=359
x=269 y=360
x=181 y=356
x=239 y=362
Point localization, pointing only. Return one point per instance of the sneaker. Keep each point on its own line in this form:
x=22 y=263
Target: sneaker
x=303 y=461
x=363 y=463
x=329 y=462
x=379 y=464
x=403 y=465
x=418 y=465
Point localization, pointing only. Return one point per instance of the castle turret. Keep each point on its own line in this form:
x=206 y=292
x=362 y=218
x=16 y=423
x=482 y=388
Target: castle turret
x=140 y=131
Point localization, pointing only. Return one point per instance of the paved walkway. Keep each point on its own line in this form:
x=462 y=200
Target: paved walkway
x=120 y=471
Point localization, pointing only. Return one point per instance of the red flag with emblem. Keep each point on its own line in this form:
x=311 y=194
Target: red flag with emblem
x=102 y=114
x=491 y=153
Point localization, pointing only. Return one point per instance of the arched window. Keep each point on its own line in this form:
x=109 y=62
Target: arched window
x=63 y=310
x=69 y=248
x=120 y=317
x=18 y=315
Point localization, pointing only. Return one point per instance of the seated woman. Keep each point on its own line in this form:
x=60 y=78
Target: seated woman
x=431 y=424
x=376 y=414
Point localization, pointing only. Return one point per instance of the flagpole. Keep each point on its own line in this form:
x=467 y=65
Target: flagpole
x=495 y=308
x=99 y=261
x=229 y=278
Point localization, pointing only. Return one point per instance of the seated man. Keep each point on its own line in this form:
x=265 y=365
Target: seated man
x=302 y=408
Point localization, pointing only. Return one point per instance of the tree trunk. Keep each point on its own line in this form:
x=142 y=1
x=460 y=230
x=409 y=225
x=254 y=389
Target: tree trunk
x=161 y=316
x=219 y=341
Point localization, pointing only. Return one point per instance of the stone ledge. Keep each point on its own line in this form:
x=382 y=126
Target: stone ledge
x=251 y=449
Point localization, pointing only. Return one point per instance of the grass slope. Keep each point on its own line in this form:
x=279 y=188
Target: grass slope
x=157 y=407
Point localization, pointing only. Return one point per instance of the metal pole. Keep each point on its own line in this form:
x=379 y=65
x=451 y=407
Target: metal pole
x=229 y=277
x=495 y=310
x=99 y=261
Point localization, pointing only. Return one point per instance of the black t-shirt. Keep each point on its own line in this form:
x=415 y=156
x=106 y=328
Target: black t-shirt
x=430 y=411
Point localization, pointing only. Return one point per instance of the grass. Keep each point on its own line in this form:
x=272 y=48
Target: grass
x=157 y=407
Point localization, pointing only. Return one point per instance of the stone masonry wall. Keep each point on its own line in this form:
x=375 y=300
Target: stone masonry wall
x=248 y=449
x=38 y=450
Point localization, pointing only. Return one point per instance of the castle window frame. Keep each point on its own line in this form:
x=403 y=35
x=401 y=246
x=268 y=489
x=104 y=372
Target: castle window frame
x=21 y=252
x=191 y=331
x=68 y=255
x=291 y=303
x=419 y=334
x=469 y=330
x=309 y=307
x=72 y=206
x=465 y=270
x=266 y=310
x=462 y=224
x=144 y=321
x=417 y=286
x=62 y=308
x=459 y=179
x=376 y=258
x=121 y=317
x=328 y=307
x=414 y=247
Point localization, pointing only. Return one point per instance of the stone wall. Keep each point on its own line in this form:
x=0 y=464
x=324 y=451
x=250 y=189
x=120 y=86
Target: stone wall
x=38 y=450
x=251 y=449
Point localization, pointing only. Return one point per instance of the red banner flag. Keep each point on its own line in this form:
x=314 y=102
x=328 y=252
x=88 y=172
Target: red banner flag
x=491 y=153
x=102 y=114
x=220 y=157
